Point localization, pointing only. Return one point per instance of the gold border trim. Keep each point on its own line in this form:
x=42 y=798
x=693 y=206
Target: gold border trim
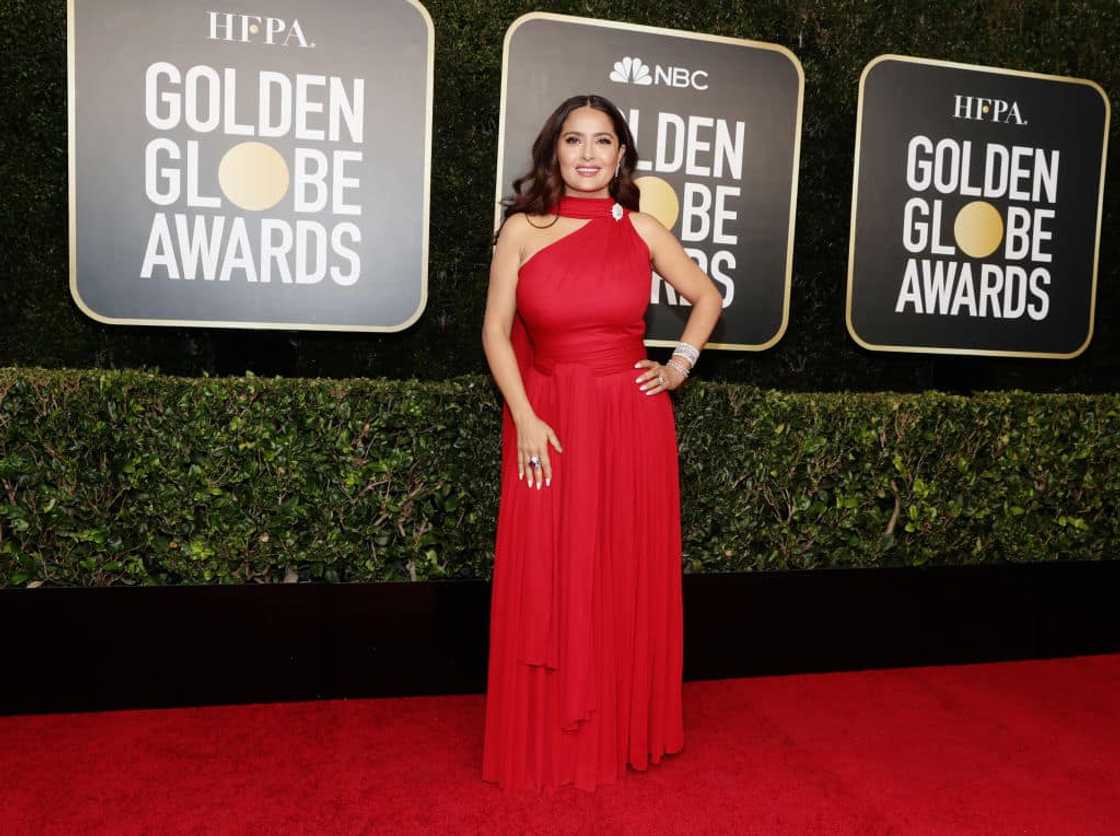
x=71 y=115
x=678 y=33
x=855 y=194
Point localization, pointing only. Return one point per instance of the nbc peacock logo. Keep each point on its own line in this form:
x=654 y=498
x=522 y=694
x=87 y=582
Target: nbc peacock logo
x=631 y=71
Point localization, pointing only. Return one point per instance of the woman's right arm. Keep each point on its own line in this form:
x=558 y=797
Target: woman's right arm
x=497 y=322
x=533 y=434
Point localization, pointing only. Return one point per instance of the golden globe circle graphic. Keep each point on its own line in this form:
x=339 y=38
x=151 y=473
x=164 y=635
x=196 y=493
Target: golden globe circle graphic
x=658 y=199
x=978 y=229
x=253 y=176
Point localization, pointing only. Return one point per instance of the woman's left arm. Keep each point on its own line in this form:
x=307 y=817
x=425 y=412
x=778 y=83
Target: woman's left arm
x=672 y=263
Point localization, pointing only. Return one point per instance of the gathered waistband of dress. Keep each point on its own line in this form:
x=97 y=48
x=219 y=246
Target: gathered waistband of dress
x=611 y=360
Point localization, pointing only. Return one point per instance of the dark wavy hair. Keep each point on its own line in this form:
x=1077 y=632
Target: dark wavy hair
x=540 y=189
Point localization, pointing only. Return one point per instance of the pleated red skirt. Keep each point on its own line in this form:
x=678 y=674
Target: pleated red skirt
x=585 y=663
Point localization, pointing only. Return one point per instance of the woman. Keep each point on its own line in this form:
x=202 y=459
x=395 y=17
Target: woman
x=586 y=615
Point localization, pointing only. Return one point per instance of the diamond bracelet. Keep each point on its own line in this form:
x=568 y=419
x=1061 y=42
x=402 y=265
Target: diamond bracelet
x=689 y=352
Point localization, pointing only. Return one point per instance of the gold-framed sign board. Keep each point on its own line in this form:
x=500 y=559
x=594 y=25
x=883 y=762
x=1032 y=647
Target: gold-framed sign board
x=717 y=126
x=976 y=210
x=250 y=169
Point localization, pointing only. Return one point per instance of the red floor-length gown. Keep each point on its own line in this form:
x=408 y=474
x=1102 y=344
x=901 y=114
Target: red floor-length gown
x=586 y=611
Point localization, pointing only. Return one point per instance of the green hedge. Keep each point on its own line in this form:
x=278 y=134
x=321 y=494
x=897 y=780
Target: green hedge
x=130 y=478
x=834 y=39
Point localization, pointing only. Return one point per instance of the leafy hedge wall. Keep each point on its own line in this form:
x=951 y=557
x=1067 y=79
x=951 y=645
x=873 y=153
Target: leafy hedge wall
x=110 y=478
x=834 y=39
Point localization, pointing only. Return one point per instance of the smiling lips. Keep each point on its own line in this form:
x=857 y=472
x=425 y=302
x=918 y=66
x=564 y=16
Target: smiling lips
x=587 y=171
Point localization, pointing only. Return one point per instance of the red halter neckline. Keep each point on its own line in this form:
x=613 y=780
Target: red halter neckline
x=587 y=207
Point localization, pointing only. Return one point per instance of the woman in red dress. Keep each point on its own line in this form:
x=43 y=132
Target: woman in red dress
x=586 y=615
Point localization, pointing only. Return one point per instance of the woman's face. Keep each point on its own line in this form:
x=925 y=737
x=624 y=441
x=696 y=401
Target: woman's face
x=588 y=152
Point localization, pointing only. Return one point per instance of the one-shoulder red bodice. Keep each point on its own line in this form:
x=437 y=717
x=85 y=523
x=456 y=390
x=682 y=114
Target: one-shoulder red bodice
x=582 y=298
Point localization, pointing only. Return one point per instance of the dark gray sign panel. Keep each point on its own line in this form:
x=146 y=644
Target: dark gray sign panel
x=717 y=124
x=248 y=167
x=976 y=209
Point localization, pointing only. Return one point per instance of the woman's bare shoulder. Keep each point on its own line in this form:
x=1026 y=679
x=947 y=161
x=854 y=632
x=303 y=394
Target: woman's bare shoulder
x=645 y=222
x=649 y=229
x=512 y=230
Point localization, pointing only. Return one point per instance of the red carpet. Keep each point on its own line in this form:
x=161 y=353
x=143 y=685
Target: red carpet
x=1018 y=747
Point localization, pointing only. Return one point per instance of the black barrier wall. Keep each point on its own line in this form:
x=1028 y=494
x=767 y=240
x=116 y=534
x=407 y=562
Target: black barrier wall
x=41 y=326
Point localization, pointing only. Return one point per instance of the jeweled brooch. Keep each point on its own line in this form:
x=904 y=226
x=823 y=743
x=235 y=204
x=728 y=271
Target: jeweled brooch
x=616 y=211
